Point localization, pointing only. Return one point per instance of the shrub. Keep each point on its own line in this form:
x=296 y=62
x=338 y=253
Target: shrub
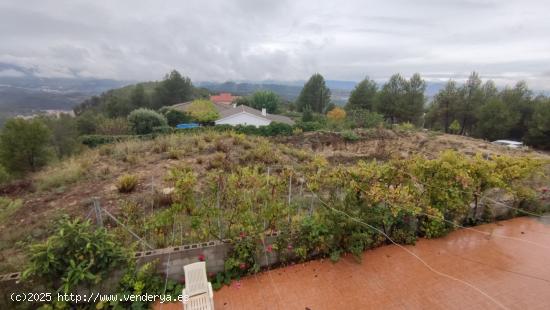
x=243 y=258
x=4 y=175
x=349 y=135
x=277 y=129
x=142 y=121
x=163 y=130
x=113 y=126
x=127 y=183
x=77 y=253
x=336 y=115
x=141 y=280
x=405 y=127
x=361 y=118
x=175 y=117
x=310 y=126
x=203 y=111
x=97 y=140
x=8 y=207
x=24 y=145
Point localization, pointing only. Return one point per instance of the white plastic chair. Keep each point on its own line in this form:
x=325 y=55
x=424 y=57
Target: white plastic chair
x=197 y=288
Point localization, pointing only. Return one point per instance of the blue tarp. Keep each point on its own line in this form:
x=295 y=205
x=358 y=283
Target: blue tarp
x=186 y=126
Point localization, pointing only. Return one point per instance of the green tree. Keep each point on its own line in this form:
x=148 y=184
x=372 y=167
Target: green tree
x=445 y=106
x=24 y=145
x=265 y=99
x=143 y=121
x=138 y=98
x=539 y=127
x=87 y=122
x=495 y=120
x=64 y=134
x=412 y=106
x=391 y=97
x=117 y=106
x=520 y=102
x=175 y=117
x=363 y=96
x=203 y=111
x=175 y=88
x=473 y=99
x=314 y=95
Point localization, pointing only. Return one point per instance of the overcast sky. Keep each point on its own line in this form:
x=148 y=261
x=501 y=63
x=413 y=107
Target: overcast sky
x=505 y=40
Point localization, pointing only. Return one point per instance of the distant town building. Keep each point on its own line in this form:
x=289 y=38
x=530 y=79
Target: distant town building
x=54 y=113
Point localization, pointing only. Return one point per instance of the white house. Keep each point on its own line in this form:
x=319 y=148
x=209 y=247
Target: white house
x=245 y=115
x=231 y=114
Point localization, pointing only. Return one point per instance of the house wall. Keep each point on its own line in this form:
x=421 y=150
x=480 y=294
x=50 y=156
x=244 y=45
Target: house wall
x=244 y=118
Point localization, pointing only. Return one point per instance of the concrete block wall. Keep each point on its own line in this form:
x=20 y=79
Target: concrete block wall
x=171 y=260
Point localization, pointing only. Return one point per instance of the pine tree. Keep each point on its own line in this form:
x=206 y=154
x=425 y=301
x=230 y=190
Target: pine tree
x=363 y=96
x=314 y=95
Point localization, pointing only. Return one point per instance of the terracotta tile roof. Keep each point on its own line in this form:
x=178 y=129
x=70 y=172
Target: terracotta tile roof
x=223 y=98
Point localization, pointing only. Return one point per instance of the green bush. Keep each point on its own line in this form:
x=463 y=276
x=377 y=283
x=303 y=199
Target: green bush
x=4 y=175
x=127 y=183
x=139 y=281
x=349 y=135
x=8 y=207
x=277 y=129
x=142 y=121
x=97 y=140
x=175 y=117
x=76 y=254
x=203 y=111
x=163 y=130
x=361 y=118
x=24 y=145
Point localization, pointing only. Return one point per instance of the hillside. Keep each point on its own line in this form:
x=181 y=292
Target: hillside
x=26 y=93
x=69 y=187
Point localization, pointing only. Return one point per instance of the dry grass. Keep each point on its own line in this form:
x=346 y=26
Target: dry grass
x=127 y=183
x=8 y=207
x=67 y=172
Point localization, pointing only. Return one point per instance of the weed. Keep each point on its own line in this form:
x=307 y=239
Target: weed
x=216 y=161
x=174 y=153
x=8 y=207
x=127 y=183
x=349 y=135
x=67 y=172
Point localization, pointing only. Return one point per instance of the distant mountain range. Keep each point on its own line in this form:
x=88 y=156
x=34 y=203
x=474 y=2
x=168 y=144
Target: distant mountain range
x=22 y=92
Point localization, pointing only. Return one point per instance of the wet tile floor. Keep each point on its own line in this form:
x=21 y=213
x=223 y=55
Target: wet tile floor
x=491 y=272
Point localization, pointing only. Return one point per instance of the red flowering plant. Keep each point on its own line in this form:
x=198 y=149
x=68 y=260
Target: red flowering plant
x=243 y=258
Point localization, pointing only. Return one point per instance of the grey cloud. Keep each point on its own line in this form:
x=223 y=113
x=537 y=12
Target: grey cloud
x=278 y=40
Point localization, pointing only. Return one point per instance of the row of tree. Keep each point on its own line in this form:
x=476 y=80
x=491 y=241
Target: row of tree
x=475 y=108
x=400 y=100
x=481 y=110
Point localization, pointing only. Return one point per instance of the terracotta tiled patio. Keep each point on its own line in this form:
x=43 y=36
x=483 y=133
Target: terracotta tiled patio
x=515 y=274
